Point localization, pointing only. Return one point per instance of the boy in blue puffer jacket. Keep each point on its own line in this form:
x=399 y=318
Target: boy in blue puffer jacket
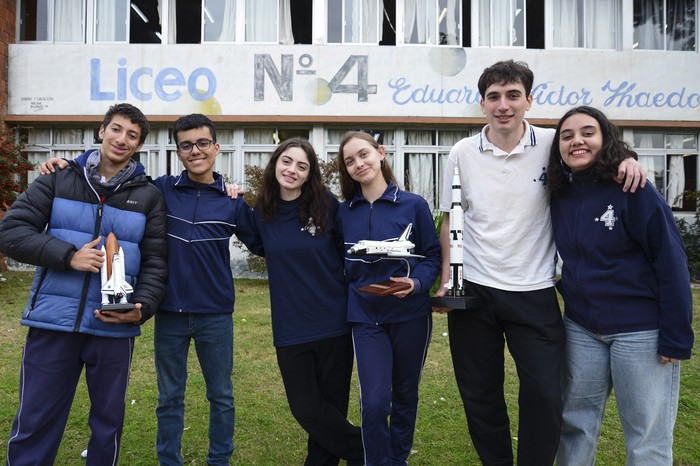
x=59 y=224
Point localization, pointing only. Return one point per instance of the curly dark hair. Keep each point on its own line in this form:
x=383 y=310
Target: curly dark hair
x=348 y=186
x=132 y=113
x=314 y=201
x=613 y=151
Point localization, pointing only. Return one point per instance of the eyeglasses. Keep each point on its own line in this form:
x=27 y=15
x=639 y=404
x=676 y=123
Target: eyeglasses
x=202 y=144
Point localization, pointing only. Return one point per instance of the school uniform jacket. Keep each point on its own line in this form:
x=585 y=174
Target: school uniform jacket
x=385 y=219
x=201 y=221
x=624 y=262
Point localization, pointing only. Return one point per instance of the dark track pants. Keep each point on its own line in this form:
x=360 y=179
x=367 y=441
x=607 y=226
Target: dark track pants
x=531 y=323
x=316 y=379
x=390 y=360
x=51 y=366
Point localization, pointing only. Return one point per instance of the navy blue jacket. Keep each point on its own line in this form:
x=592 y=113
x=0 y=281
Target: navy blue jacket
x=201 y=221
x=308 y=295
x=386 y=218
x=624 y=263
x=75 y=212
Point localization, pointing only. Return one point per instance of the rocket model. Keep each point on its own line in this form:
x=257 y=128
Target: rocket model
x=114 y=284
x=455 y=285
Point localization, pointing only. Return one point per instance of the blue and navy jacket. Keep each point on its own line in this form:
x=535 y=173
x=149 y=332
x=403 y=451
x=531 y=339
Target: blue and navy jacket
x=624 y=263
x=74 y=212
x=201 y=221
x=386 y=218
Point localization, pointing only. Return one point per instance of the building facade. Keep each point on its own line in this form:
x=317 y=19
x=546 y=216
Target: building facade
x=265 y=70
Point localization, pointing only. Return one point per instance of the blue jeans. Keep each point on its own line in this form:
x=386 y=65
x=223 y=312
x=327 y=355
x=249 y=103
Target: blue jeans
x=213 y=341
x=646 y=391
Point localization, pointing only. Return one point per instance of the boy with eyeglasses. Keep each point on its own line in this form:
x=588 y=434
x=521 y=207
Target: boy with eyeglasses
x=199 y=298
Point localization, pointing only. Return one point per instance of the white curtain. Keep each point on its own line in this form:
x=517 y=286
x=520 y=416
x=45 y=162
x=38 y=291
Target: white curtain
x=362 y=20
x=259 y=159
x=421 y=169
x=654 y=174
x=228 y=28
x=285 y=33
x=172 y=21
x=602 y=23
x=261 y=20
x=219 y=21
x=648 y=31
x=566 y=22
x=499 y=16
x=36 y=136
x=417 y=19
x=68 y=21
x=676 y=181
x=452 y=20
x=68 y=136
x=681 y=31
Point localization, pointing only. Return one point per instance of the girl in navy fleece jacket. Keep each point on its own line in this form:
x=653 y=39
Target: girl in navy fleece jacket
x=391 y=334
x=626 y=289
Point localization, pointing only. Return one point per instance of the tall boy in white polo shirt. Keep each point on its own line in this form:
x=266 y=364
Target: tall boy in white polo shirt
x=509 y=262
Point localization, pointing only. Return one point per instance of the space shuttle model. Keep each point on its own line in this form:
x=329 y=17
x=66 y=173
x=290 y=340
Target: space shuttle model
x=455 y=286
x=394 y=248
x=114 y=284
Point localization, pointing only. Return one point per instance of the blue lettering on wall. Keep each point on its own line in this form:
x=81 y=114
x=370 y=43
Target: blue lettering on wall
x=626 y=95
x=406 y=93
x=560 y=97
x=168 y=84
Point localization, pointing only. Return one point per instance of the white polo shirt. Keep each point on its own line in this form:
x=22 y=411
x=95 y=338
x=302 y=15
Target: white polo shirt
x=508 y=241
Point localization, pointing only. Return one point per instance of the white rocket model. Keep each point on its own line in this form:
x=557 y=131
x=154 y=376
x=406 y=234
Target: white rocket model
x=455 y=285
x=114 y=284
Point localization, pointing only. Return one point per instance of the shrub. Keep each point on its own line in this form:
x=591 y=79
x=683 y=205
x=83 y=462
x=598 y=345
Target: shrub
x=13 y=169
x=690 y=231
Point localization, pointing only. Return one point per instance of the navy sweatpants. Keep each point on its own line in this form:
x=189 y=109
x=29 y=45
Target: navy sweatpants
x=390 y=360
x=51 y=366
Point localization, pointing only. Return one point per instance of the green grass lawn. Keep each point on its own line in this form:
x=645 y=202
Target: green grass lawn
x=266 y=433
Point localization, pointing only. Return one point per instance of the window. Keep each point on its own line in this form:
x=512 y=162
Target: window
x=665 y=24
x=432 y=22
x=671 y=162
x=425 y=153
x=502 y=23
x=591 y=24
x=260 y=21
x=44 y=143
x=354 y=21
x=52 y=20
x=110 y=21
x=510 y=23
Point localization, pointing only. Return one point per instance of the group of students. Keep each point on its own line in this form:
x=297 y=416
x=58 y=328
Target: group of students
x=624 y=282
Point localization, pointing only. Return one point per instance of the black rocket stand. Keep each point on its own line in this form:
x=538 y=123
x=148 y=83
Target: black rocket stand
x=456 y=302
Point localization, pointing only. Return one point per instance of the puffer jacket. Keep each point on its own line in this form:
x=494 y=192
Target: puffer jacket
x=61 y=212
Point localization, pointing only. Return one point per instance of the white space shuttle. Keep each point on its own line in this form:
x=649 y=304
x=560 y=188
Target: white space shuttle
x=114 y=284
x=455 y=285
x=398 y=248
